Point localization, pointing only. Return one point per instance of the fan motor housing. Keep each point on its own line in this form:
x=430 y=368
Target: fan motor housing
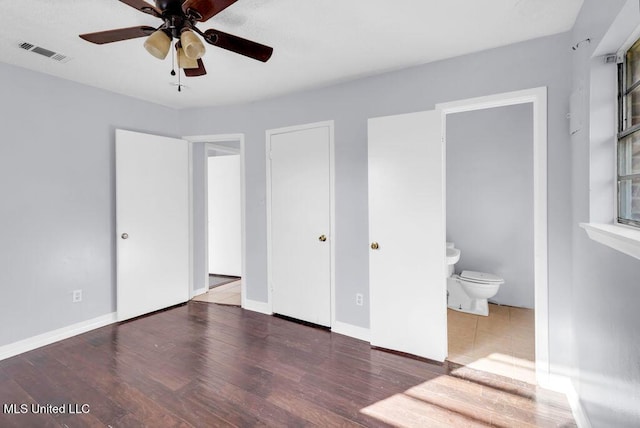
x=170 y=7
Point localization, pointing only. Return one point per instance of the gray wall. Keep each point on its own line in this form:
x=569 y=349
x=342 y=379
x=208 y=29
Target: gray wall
x=606 y=287
x=490 y=196
x=541 y=62
x=58 y=205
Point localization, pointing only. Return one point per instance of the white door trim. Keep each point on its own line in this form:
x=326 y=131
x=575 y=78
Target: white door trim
x=538 y=97
x=211 y=140
x=268 y=134
x=223 y=149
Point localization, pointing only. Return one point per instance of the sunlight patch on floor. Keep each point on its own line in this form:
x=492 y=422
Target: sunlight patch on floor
x=443 y=401
x=507 y=366
x=471 y=398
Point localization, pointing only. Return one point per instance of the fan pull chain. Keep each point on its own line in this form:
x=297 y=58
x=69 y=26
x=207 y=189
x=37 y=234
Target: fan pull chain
x=173 y=69
x=179 y=83
x=173 y=65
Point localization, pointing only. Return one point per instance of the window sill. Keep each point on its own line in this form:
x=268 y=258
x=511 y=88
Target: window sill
x=620 y=238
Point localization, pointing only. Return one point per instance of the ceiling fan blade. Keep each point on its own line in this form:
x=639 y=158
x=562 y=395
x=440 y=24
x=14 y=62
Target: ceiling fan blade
x=238 y=45
x=203 y=10
x=195 y=72
x=143 y=6
x=110 y=36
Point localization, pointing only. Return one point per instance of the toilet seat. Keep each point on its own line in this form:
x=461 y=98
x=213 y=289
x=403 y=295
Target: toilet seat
x=480 y=277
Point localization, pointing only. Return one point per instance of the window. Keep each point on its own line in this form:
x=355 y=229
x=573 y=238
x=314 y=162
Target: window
x=629 y=137
x=605 y=217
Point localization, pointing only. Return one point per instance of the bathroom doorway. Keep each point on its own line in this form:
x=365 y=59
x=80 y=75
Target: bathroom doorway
x=495 y=171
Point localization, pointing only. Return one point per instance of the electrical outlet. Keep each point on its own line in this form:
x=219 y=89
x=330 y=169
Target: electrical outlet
x=359 y=299
x=77 y=296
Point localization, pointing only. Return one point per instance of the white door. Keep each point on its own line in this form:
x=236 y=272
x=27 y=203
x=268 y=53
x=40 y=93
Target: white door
x=407 y=271
x=300 y=223
x=152 y=216
x=225 y=215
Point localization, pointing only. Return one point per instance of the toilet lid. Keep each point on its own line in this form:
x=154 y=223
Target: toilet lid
x=474 y=276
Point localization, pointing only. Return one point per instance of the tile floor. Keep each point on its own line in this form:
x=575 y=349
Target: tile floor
x=227 y=294
x=502 y=343
x=218 y=280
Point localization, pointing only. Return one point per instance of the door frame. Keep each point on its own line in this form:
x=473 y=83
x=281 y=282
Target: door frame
x=332 y=248
x=538 y=98
x=211 y=140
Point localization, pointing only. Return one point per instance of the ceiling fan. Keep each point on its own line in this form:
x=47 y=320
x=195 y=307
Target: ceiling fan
x=179 y=22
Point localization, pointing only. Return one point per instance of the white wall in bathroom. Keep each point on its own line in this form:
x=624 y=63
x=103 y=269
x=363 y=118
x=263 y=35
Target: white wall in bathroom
x=490 y=196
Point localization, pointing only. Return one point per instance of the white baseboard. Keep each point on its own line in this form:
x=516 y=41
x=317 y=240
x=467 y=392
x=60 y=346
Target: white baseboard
x=554 y=382
x=564 y=385
x=582 y=420
x=31 y=343
x=255 y=306
x=351 y=330
x=199 y=291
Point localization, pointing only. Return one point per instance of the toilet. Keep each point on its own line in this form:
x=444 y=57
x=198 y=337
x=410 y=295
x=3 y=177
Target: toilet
x=469 y=291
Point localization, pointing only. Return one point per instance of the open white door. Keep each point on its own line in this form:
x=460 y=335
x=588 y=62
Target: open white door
x=407 y=270
x=224 y=210
x=152 y=215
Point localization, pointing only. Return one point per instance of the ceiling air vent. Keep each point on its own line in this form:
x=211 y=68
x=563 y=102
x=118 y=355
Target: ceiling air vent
x=27 y=46
x=44 y=52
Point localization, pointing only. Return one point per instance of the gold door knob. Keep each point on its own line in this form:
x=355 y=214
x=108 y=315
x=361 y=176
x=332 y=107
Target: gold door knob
x=322 y=238
x=374 y=246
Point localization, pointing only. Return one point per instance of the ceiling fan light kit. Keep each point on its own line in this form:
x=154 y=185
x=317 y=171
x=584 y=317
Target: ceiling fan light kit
x=179 y=22
x=184 y=61
x=192 y=45
x=158 y=44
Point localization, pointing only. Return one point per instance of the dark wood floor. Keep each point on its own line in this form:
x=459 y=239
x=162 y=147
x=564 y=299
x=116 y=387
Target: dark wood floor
x=207 y=365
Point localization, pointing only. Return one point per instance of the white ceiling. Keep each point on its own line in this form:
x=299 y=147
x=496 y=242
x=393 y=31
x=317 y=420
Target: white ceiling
x=316 y=43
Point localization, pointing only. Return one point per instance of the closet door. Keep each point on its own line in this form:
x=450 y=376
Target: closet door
x=299 y=230
x=407 y=270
